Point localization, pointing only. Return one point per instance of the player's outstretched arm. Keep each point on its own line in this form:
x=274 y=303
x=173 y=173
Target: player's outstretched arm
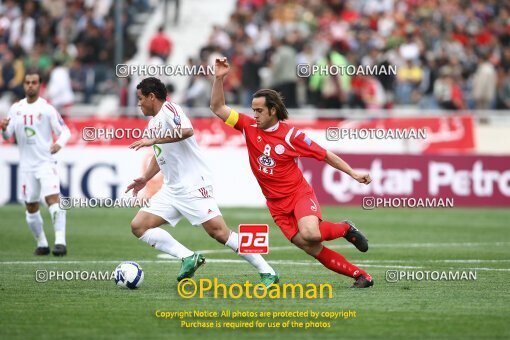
x=338 y=163
x=174 y=136
x=218 y=107
x=140 y=182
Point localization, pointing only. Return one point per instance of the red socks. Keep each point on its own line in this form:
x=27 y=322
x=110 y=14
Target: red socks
x=333 y=260
x=337 y=263
x=332 y=231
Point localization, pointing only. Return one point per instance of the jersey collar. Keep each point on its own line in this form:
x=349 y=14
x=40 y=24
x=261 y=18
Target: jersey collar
x=273 y=128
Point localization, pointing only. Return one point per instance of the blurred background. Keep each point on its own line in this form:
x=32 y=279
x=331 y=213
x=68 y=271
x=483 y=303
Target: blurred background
x=453 y=79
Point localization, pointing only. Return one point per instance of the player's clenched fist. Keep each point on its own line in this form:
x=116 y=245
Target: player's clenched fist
x=221 y=67
x=362 y=178
x=55 y=148
x=3 y=123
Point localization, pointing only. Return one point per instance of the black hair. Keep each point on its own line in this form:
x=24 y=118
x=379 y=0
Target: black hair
x=152 y=85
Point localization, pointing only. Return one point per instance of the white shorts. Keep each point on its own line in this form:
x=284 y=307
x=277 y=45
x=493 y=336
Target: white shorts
x=42 y=182
x=197 y=206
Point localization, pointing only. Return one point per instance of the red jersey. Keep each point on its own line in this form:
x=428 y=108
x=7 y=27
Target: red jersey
x=274 y=155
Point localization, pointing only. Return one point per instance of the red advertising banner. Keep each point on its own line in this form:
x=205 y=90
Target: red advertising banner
x=469 y=180
x=448 y=133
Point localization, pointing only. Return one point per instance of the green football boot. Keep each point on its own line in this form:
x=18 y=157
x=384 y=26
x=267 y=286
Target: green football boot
x=190 y=265
x=267 y=279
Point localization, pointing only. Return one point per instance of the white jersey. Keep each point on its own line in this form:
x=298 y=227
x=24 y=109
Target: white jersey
x=33 y=124
x=182 y=163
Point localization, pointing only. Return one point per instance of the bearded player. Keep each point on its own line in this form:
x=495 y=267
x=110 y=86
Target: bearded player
x=187 y=189
x=273 y=149
x=32 y=120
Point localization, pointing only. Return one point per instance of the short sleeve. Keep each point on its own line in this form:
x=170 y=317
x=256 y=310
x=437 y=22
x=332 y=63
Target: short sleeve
x=57 y=123
x=176 y=117
x=306 y=147
x=59 y=127
x=238 y=120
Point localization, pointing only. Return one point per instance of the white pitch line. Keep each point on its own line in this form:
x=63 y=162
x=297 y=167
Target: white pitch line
x=166 y=259
x=489 y=269
x=434 y=261
x=169 y=257
x=382 y=245
x=68 y=262
x=169 y=260
x=333 y=246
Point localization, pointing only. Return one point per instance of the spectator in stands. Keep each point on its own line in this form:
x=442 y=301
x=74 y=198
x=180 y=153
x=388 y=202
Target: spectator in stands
x=82 y=80
x=484 y=83
x=5 y=23
x=426 y=87
x=283 y=71
x=333 y=96
x=10 y=9
x=44 y=32
x=307 y=56
x=452 y=32
x=333 y=89
x=39 y=32
x=89 y=19
x=55 y=8
x=368 y=92
x=39 y=60
x=219 y=38
x=447 y=91
x=505 y=57
x=22 y=32
x=65 y=52
x=198 y=92
x=93 y=43
x=11 y=75
x=59 y=90
x=250 y=77
x=66 y=29
x=387 y=80
x=161 y=44
x=503 y=93
x=176 y=8
x=411 y=48
x=409 y=77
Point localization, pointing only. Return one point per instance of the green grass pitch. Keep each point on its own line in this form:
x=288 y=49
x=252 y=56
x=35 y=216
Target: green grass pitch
x=400 y=239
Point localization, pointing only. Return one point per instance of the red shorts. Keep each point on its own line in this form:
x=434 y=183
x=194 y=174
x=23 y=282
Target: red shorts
x=287 y=211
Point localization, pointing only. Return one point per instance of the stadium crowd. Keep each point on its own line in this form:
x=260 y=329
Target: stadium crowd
x=449 y=54
x=69 y=42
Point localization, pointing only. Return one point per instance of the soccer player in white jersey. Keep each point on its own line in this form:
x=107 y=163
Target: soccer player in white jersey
x=187 y=189
x=32 y=121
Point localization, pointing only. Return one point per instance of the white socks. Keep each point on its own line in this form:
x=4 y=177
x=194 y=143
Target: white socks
x=255 y=260
x=35 y=222
x=163 y=241
x=58 y=217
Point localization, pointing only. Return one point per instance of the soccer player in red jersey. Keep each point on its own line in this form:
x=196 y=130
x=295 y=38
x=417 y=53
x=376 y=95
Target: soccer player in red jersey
x=273 y=149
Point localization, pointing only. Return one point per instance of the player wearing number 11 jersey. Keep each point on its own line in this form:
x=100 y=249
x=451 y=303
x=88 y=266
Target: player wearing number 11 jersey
x=273 y=149
x=32 y=121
